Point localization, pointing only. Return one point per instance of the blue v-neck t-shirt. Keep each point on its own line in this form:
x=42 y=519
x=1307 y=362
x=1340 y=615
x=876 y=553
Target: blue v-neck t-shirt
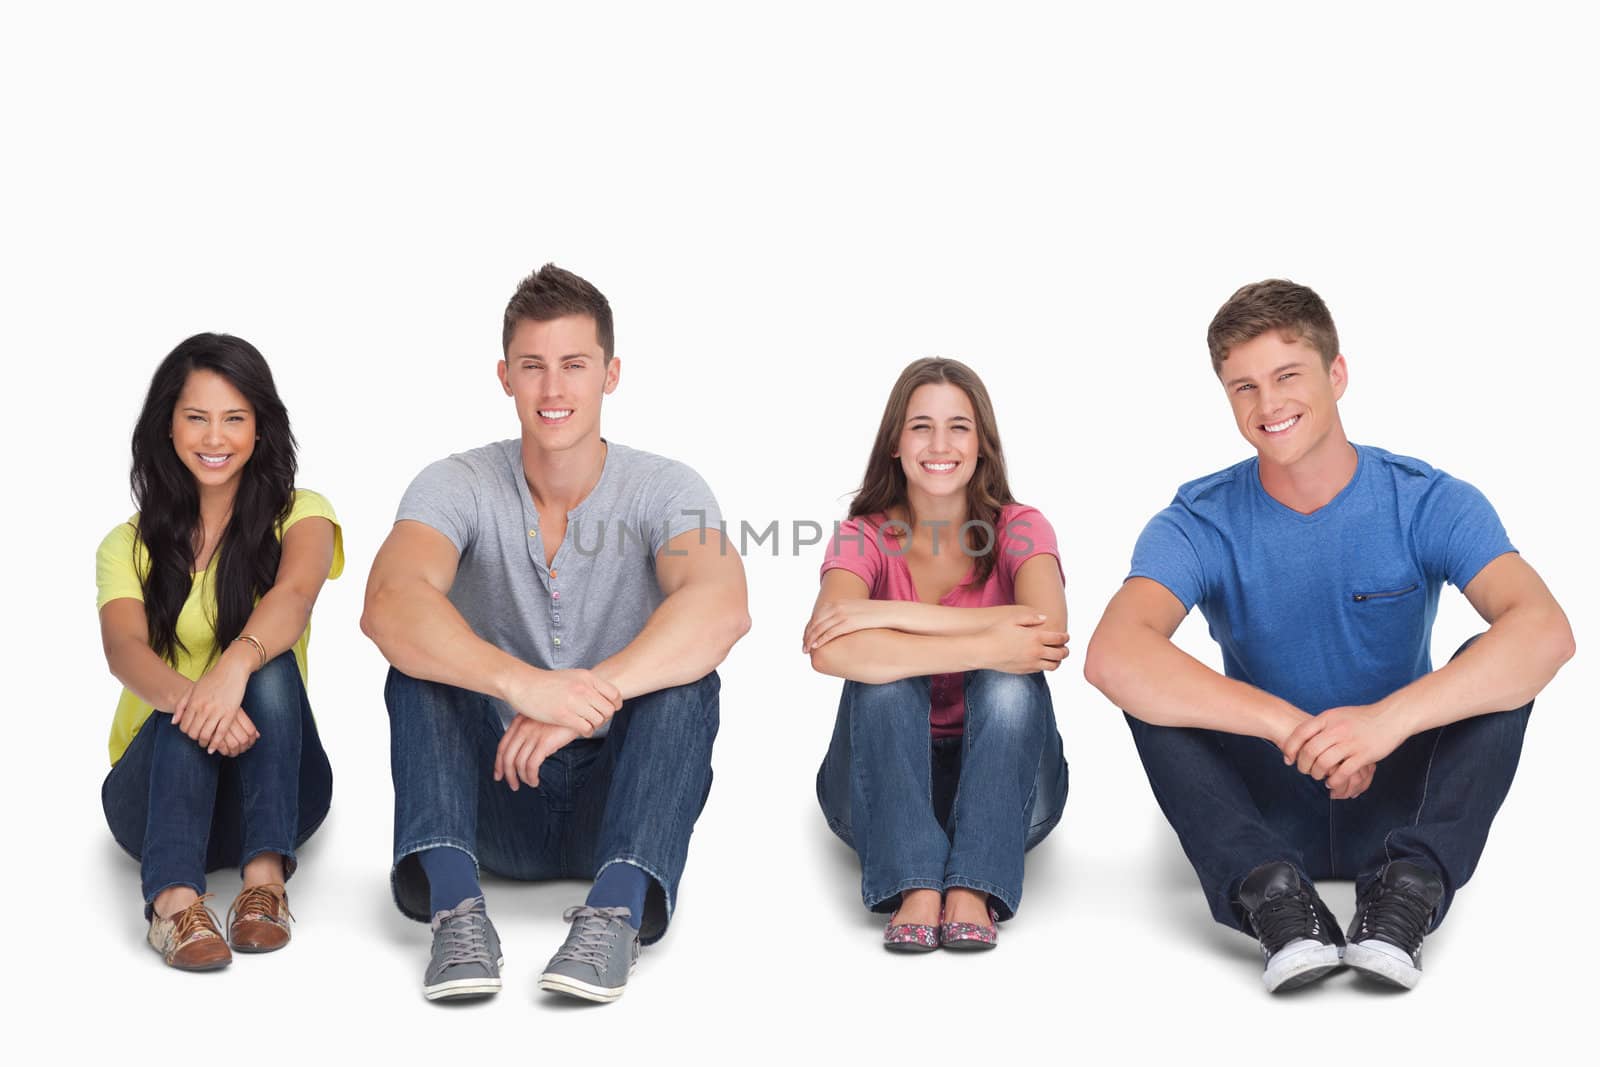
x=1332 y=608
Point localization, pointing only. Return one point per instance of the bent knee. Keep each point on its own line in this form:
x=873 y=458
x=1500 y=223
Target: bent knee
x=274 y=691
x=1006 y=701
x=906 y=696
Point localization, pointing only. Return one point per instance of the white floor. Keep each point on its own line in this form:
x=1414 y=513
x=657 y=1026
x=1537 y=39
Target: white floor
x=771 y=957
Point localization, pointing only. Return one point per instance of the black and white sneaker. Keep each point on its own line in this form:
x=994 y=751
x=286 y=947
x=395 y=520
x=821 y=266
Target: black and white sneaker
x=1392 y=917
x=1300 y=942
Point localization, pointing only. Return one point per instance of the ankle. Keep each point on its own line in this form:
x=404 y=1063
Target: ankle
x=170 y=901
x=966 y=905
x=265 y=869
x=918 y=906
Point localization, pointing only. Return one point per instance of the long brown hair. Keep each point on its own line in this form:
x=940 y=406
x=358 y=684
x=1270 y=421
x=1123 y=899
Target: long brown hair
x=884 y=484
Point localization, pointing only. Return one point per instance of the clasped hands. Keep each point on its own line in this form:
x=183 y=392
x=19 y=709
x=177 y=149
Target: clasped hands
x=210 y=713
x=1342 y=747
x=553 y=708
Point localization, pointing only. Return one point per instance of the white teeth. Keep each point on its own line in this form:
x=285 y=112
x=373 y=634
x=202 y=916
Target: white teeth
x=1284 y=425
x=213 y=459
x=940 y=467
x=555 y=414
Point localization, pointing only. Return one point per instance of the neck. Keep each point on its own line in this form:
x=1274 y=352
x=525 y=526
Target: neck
x=1315 y=478
x=563 y=479
x=950 y=511
x=216 y=505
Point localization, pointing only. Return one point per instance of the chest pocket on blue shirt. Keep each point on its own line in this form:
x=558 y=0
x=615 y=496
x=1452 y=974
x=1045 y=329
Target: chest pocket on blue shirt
x=1386 y=618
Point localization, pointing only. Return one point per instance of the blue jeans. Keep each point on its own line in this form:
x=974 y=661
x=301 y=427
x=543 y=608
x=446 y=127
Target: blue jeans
x=182 y=813
x=1235 y=805
x=630 y=797
x=952 y=812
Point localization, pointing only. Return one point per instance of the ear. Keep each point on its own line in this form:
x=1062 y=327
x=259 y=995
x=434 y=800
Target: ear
x=502 y=369
x=613 y=375
x=1339 y=374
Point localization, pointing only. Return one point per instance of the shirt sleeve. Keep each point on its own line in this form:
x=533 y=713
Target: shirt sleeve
x=854 y=547
x=445 y=497
x=1457 y=531
x=313 y=505
x=116 y=574
x=1027 y=533
x=680 y=501
x=1166 y=553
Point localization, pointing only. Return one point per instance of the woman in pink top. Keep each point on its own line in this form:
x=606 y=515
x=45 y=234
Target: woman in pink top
x=942 y=604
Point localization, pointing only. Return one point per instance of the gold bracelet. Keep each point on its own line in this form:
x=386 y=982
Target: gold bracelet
x=255 y=642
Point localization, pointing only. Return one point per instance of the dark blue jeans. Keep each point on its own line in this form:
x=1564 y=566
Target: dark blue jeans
x=630 y=797
x=182 y=813
x=937 y=814
x=1235 y=805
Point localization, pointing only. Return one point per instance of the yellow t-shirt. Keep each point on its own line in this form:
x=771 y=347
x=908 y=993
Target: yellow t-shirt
x=120 y=560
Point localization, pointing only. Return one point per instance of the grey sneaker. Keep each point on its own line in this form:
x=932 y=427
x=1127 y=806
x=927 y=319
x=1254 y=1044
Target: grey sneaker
x=600 y=952
x=466 y=954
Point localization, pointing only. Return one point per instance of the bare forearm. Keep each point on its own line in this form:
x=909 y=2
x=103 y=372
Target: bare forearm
x=148 y=676
x=1503 y=669
x=422 y=634
x=1155 y=681
x=686 y=637
x=938 y=620
x=879 y=656
x=279 y=619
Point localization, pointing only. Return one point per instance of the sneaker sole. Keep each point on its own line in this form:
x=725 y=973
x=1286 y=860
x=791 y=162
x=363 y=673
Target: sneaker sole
x=572 y=987
x=464 y=988
x=1375 y=963
x=1301 y=969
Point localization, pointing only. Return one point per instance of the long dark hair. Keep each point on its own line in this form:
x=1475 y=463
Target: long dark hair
x=884 y=484
x=169 y=502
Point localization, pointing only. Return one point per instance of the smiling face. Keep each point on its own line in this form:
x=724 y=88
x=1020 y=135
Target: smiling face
x=213 y=430
x=556 y=372
x=938 y=445
x=1285 y=402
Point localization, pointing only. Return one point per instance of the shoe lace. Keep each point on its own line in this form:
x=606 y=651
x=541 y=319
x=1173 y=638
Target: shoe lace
x=195 y=919
x=1286 y=918
x=259 y=902
x=590 y=940
x=462 y=934
x=1395 y=916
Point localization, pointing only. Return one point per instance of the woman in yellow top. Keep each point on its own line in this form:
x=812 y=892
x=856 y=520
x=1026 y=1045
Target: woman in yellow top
x=205 y=603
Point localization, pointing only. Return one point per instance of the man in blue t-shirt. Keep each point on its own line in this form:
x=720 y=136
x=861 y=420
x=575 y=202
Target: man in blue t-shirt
x=1330 y=747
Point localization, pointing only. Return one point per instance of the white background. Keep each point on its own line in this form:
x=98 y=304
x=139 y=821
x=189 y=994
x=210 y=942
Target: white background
x=784 y=208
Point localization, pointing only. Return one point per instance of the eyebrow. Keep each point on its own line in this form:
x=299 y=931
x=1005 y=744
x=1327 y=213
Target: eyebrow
x=1279 y=370
x=229 y=411
x=559 y=359
x=930 y=418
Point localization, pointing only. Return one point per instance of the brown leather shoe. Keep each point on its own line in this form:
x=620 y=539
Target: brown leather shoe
x=258 y=921
x=190 y=940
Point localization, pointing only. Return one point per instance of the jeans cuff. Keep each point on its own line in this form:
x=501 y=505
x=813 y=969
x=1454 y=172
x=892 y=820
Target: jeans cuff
x=401 y=898
x=652 y=925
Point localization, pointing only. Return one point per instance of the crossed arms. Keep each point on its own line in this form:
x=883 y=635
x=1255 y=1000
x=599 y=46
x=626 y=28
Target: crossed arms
x=1132 y=660
x=876 y=641
x=412 y=621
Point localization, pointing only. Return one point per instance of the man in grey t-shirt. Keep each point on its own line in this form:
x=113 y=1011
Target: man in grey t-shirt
x=554 y=607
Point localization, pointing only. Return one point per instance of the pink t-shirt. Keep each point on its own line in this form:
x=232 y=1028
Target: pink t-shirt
x=875 y=556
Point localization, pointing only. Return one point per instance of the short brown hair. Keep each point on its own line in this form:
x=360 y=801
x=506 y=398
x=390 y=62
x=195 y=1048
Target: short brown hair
x=550 y=293
x=1297 y=313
